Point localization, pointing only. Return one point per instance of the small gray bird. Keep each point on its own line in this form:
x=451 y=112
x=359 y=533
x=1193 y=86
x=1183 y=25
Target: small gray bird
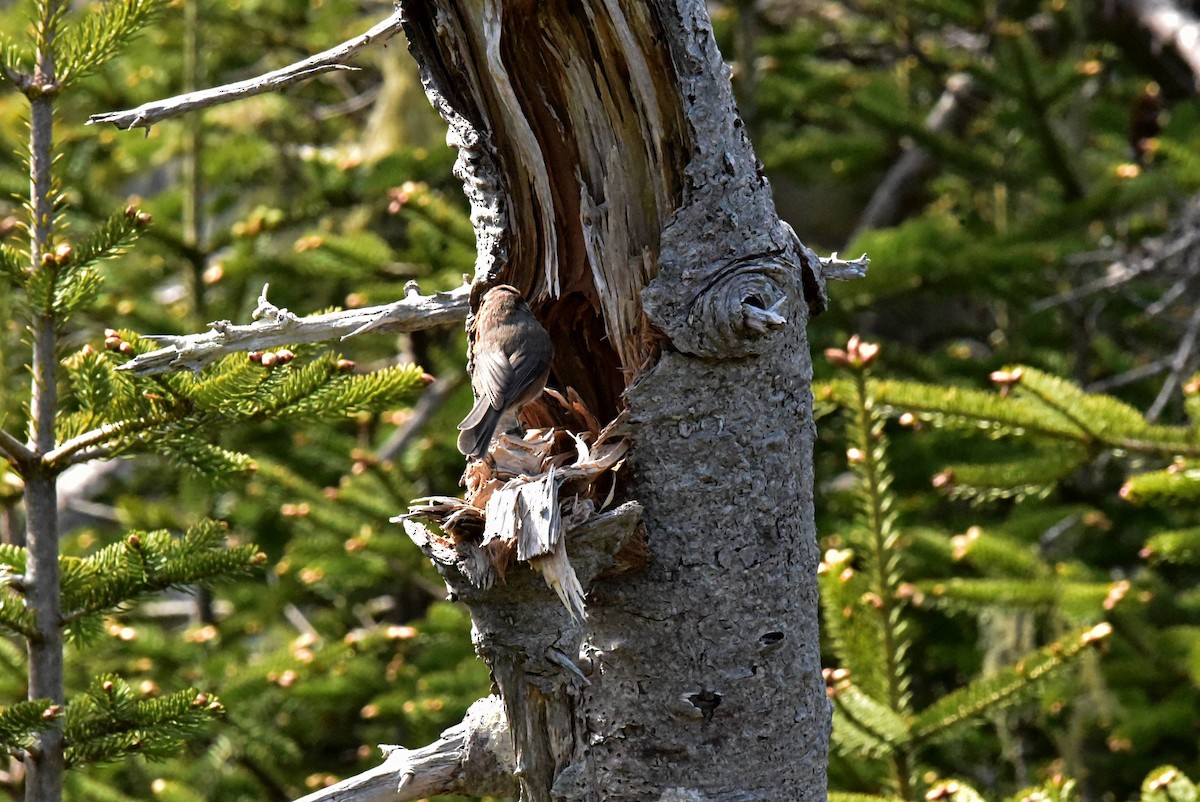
x=512 y=362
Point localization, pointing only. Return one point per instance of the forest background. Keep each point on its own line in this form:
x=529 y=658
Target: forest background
x=1022 y=176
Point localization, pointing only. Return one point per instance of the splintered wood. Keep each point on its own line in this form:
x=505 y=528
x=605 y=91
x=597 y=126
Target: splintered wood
x=523 y=500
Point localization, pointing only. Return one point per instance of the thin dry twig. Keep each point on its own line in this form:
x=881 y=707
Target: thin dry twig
x=1172 y=26
x=428 y=405
x=274 y=327
x=1180 y=364
x=332 y=59
x=1122 y=272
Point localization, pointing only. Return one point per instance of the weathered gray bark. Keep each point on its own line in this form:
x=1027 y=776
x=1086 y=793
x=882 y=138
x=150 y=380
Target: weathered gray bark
x=611 y=181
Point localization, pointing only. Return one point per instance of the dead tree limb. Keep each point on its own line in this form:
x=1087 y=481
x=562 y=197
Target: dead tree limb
x=907 y=174
x=1172 y=26
x=472 y=758
x=334 y=58
x=274 y=327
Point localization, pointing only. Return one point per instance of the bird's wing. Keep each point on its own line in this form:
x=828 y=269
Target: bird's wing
x=525 y=367
x=496 y=380
x=502 y=379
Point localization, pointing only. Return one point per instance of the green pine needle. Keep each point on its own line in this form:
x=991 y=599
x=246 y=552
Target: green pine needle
x=1178 y=485
x=1019 y=478
x=15 y=615
x=995 y=555
x=142 y=564
x=13 y=61
x=972 y=704
x=1179 y=547
x=1103 y=417
x=87 y=45
x=853 y=740
x=974 y=595
x=853 y=629
x=12 y=265
x=110 y=722
x=959 y=407
x=1168 y=784
x=112 y=238
x=872 y=716
x=20 y=722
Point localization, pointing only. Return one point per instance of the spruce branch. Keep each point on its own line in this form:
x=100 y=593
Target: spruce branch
x=1102 y=418
x=1019 y=477
x=14 y=64
x=87 y=45
x=146 y=563
x=868 y=459
x=1178 y=546
x=12 y=264
x=19 y=722
x=880 y=715
x=110 y=238
x=1056 y=152
x=969 y=704
x=879 y=721
x=109 y=722
x=16 y=616
x=71 y=451
x=334 y=58
x=1019 y=594
x=274 y=327
x=1045 y=406
x=958 y=406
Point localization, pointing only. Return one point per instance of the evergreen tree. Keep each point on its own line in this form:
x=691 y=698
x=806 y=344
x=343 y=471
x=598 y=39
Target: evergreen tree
x=81 y=407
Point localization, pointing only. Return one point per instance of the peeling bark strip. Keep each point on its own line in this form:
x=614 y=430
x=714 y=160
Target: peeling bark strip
x=611 y=181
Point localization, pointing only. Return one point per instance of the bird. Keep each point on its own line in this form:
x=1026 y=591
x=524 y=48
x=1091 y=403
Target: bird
x=512 y=362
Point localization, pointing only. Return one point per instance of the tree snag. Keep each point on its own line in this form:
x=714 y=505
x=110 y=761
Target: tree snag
x=612 y=183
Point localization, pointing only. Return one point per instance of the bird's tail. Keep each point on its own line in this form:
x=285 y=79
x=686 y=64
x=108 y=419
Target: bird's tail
x=478 y=429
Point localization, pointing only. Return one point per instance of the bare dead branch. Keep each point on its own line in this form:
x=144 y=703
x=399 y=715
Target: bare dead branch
x=1181 y=363
x=473 y=758
x=15 y=449
x=274 y=327
x=426 y=407
x=1123 y=270
x=155 y=111
x=833 y=267
x=951 y=113
x=1171 y=26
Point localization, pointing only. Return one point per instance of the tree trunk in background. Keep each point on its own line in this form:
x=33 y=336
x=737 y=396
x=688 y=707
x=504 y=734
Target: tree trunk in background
x=611 y=181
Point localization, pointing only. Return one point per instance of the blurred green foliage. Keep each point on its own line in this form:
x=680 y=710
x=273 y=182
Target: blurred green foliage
x=1007 y=519
x=336 y=194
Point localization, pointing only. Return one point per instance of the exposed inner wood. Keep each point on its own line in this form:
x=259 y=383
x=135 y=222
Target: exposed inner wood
x=579 y=106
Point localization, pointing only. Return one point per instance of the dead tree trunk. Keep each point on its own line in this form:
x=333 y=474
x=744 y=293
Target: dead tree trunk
x=611 y=181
